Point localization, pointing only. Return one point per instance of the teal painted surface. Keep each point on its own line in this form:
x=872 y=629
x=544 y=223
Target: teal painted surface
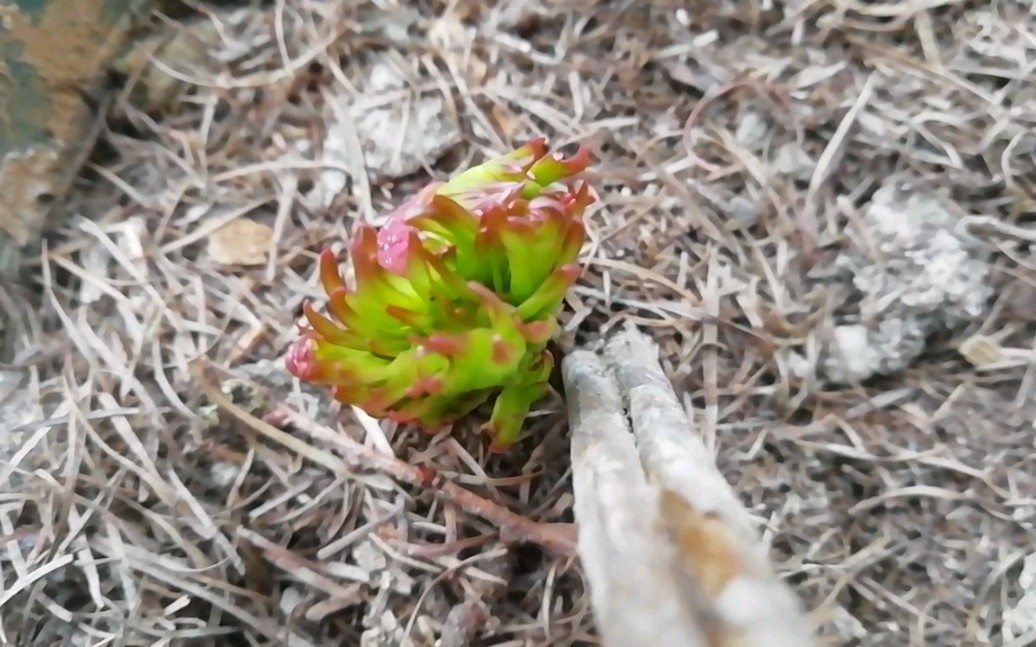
x=24 y=101
x=34 y=9
x=53 y=53
x=116 y=10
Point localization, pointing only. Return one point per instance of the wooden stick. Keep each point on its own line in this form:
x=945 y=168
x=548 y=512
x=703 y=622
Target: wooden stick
x=625 y=555
x=671 y=555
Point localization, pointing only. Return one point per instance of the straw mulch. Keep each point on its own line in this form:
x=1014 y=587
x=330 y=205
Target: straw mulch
x=751 y=159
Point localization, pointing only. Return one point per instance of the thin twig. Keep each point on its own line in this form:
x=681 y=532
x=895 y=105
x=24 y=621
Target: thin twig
x=556 y=538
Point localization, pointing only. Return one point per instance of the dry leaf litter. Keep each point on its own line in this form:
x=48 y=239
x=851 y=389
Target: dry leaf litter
x=810 y=205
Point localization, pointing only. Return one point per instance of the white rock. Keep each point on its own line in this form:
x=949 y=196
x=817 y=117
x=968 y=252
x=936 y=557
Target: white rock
x=916 y=274
x=18 y=407
x=793 y=161
x=398 y=137
x=848 y=625
x=1021 y=620
x=852 y=357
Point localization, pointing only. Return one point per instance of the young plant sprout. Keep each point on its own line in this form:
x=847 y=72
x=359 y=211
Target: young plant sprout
x=455 y=298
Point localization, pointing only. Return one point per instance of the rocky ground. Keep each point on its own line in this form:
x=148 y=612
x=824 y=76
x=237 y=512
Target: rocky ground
x=822 y=211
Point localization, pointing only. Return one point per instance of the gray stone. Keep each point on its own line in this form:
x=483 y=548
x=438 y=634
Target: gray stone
x=398 y=137
x=917 y=275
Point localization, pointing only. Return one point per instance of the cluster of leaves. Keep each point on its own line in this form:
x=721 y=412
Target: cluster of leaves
x=456 y=297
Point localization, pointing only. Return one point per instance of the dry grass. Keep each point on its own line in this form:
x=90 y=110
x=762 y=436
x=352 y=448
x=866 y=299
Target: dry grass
x=736 y=142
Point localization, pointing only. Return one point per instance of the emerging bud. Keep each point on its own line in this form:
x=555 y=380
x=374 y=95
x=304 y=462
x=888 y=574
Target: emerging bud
x=456 y=297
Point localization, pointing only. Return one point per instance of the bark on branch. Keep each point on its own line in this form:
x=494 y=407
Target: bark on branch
x=672 y=557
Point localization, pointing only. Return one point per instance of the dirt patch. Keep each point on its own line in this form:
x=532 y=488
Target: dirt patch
x=739 y=150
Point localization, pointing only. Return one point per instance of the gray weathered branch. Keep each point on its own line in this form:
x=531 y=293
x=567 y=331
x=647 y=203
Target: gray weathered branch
x=671 y=555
